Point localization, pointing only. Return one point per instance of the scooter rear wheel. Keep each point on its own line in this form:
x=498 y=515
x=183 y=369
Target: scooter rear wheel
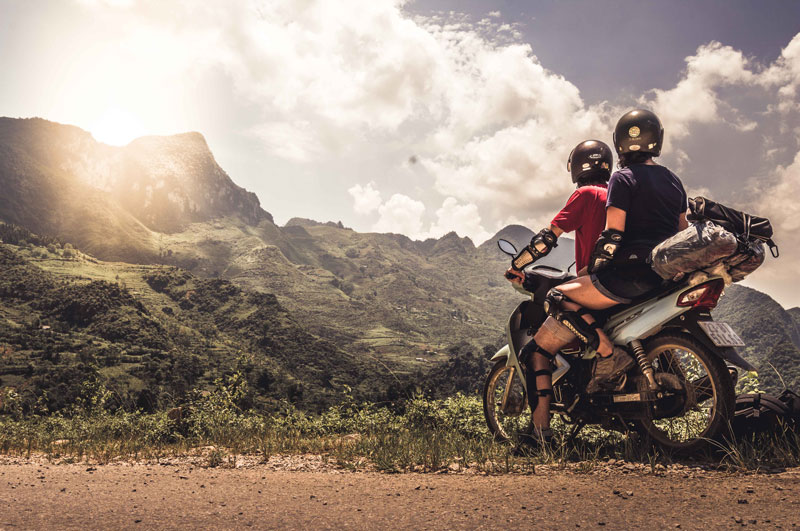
x=690 y=426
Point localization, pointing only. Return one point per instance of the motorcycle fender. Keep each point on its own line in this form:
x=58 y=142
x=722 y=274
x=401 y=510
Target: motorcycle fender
x=503 y=353
x=688 y=321
x=644 y=320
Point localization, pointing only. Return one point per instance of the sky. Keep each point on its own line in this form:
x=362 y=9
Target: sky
x=429 y=116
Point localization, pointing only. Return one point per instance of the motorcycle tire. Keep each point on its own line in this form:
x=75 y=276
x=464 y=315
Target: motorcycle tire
x=512 y=418
x=705 y=379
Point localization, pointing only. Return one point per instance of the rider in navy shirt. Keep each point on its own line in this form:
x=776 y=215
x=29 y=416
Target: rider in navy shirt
x=660 y=198
x=653 y=199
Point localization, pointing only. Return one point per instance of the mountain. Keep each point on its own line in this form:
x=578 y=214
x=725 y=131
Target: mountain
x=561 y=256
x=162 y=204
x=153 y=333
x=164 y=200
x=795 y=313
x=771 y=335
x=113 y=201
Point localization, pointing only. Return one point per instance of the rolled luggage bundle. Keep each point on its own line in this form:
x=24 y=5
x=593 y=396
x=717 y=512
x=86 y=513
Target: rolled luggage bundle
x=720 y=240
x=763 y=413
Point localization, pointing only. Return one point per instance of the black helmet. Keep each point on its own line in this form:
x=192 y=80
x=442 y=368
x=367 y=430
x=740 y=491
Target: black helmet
x=639 y=131
x=591 y=160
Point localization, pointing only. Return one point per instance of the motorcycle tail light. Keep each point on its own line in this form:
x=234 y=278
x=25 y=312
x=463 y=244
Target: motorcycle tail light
x=704 y=295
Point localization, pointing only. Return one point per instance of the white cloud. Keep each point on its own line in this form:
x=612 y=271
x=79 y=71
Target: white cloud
x=366 y=198
x=108 y=3
x=779 y=203
x=785 y=74
x=404 y=215
x=464 y=220
x=694 y=99
x=401 y=215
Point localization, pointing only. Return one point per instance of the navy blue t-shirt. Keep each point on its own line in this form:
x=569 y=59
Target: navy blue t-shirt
x=653 y=198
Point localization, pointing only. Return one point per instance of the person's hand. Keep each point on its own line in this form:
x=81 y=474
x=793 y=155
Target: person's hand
x=515 y=277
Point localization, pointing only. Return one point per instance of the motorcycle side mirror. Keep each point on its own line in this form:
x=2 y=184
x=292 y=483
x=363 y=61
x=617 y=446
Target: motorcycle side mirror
x=507 y=247
x=570 y=266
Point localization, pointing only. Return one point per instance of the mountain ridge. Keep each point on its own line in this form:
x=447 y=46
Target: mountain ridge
x=60 y=182
x=383 y=296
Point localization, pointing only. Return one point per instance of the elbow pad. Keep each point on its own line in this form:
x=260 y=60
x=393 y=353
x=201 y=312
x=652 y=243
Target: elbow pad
x=541 y=244
x=605 y=249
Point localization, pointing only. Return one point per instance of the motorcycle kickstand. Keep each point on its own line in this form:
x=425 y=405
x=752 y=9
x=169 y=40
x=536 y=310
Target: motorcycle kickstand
x=575 y=431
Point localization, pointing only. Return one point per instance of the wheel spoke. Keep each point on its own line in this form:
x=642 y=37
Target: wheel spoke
x=506 y=405
x=693 y=419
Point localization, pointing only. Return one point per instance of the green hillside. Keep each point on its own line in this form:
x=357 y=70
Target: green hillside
x=771 y=334
x=152 y=333
x=148 y=267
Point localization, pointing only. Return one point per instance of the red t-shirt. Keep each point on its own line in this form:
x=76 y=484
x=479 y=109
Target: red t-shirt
x=584 y=213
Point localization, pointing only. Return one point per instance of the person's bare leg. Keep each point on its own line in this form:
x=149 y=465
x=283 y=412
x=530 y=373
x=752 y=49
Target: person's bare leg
x=584 y=294
x=551 y=343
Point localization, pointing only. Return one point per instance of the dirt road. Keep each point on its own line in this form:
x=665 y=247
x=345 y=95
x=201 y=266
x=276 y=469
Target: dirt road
x=42 y=495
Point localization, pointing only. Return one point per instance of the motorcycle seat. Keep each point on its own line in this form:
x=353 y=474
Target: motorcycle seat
x=603 y=315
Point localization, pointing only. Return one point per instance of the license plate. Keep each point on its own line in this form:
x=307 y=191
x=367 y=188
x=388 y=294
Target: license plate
x=721 y=334
x=632 y=397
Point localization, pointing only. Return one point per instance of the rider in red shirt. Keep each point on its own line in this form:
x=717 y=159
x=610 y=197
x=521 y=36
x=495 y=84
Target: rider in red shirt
x=585 y=213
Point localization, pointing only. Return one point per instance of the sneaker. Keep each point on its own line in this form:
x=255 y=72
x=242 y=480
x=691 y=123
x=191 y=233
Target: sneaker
x=530 y=442
x=609 y=369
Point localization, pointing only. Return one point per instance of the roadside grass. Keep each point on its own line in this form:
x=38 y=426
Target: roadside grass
x=420 y=435
x=756 y=452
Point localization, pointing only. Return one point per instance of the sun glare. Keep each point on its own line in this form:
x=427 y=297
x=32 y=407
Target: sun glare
x=116 y=127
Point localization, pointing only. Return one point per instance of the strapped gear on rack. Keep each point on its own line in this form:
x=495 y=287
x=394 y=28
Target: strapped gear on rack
x=572 y=319
x=607 y=245
x=541 y=245
x=740 y=223
x=719 y=238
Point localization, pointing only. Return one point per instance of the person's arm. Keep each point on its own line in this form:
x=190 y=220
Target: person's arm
x=610 y=239
x=682 y=221
x=615 y=218
x=517 y=276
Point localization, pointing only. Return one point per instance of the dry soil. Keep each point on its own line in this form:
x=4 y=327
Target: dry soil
x=39 y=494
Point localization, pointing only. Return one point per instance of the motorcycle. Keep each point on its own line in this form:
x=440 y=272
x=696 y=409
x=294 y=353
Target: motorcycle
x=680 y=392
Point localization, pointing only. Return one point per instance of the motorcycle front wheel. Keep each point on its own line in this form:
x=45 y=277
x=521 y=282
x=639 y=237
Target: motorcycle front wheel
x=703 y=413
x=505 y=404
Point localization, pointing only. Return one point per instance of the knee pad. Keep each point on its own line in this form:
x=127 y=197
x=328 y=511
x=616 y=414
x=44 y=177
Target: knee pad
x=552 y=301
x=557 y=330
x=572 y=320
x=530 y=375
x=529 y=349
